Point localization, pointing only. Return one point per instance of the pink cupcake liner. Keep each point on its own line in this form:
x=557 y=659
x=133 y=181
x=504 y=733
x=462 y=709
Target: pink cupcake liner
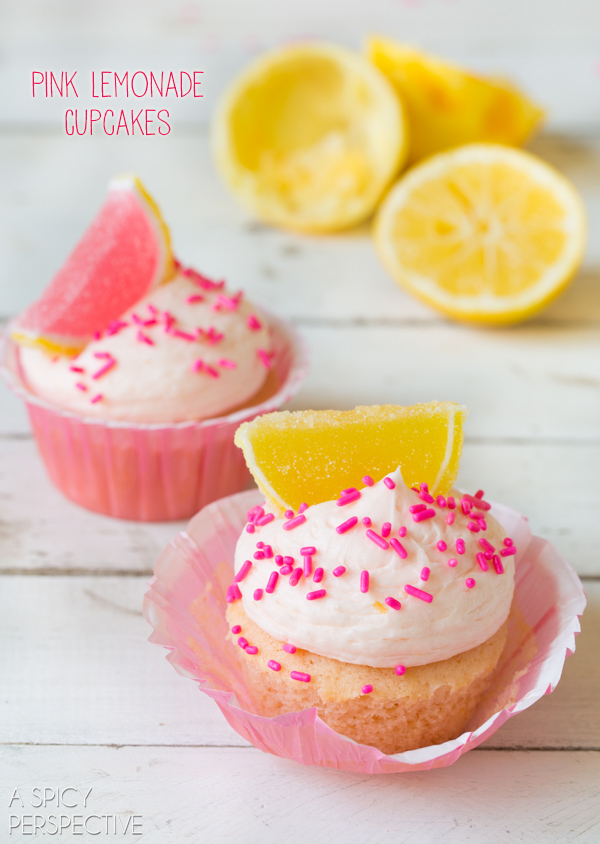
x=194 y=571
x=154 y=472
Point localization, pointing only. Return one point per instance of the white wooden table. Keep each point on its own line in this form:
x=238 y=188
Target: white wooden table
x=85 y=701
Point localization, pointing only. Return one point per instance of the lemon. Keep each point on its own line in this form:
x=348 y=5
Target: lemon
x=484 y=233
x=310 y=456
x=309 y=137
x=446 y=106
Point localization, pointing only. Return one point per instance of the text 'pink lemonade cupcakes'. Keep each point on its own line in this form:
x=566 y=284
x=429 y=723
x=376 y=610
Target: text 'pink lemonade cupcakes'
x=136 y=371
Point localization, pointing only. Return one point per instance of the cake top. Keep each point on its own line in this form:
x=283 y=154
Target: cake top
x=383 y=576
x=190 y=349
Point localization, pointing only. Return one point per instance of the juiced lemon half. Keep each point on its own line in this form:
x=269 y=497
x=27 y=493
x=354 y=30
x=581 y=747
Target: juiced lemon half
x=447 y=106
x=484 y=233
x=309 y=137
x=312 y=455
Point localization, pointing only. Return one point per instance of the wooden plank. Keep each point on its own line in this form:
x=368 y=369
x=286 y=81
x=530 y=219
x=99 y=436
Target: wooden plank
x=554 y=485
x=242 y=795
x=54 y=186
x=80 y=671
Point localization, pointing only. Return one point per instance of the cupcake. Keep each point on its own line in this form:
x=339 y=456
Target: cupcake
x=137 y=371
x=385 y=608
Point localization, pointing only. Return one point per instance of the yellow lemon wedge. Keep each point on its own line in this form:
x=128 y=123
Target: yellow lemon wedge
x=308 y=137
x=310 y=456
x=484 y=233
x=447 y=106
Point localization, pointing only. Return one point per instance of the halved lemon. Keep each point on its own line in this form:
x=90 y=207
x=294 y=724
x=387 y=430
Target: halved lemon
x=309 y=137
x=484 y=233
x=310 y=456
x=447 y=106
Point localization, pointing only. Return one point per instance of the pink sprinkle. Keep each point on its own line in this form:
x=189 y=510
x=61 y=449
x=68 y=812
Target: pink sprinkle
x=508 y=552
x=153 y=309
x=258 y=593
x=488 y=555
x=424 y=487
x=115 y=326
x=364 y=581
x=349 y=523
x=418 y=593
x=250 y=528
x=441 y=501
x=479 y=494
x=482 y=524
x=367 y=689
x=339 y=571
x=237 y=628
x=143 y=338
x=398 y=548
x=96 y=398
x=286 y=569
x=110 y=363
x=368 y=480
x=81 y=387
x=473 y=527
x=242 y=573
x=97 y=335
x=255 y=513
x=307 y=569
x=251 y=649
x=294 y=523
x=451 y=502
x=259 y=555
x=402 y=531
x=366 y=521
x=227 y=364
x=482 y=562
x=195 y=297
x=478 y=502
x=417 y=508
x=450 y=519
x=508 y=541
x=386 y=529
x=348 y=498
x=278 y=559
x=233 y=593
x=425 y=572
x=318 y=575
x=389 y=483
x=242 y=642
x=497 y=563
x=441 y=546
x=424 y=514
x=76 y=369
x=260 y=545
x=272 y=582
x=399 y=670
x=274 y=665
x=289 y=649
x=265 y=358
x=308 y=549
x=452 y=562
x=425 y=496
x=264 y=520
x=288 y=561
x=252 y=323
x=295 y=576
x=469 y=583
x=393 y=603
x=313 y=596
x=298 y=675
x=289 y=514
x=302 y=508
x=487 y=546
x=460 y=546
x=378 y=540
x=466 y=506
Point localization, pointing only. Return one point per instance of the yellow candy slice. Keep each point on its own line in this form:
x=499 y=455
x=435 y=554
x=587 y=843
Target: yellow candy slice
x=310 y=456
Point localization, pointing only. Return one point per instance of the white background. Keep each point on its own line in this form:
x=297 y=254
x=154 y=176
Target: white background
x=84 y=700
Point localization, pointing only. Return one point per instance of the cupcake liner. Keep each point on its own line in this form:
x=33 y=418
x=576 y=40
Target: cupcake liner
x=154 y=472
x=190 y=583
